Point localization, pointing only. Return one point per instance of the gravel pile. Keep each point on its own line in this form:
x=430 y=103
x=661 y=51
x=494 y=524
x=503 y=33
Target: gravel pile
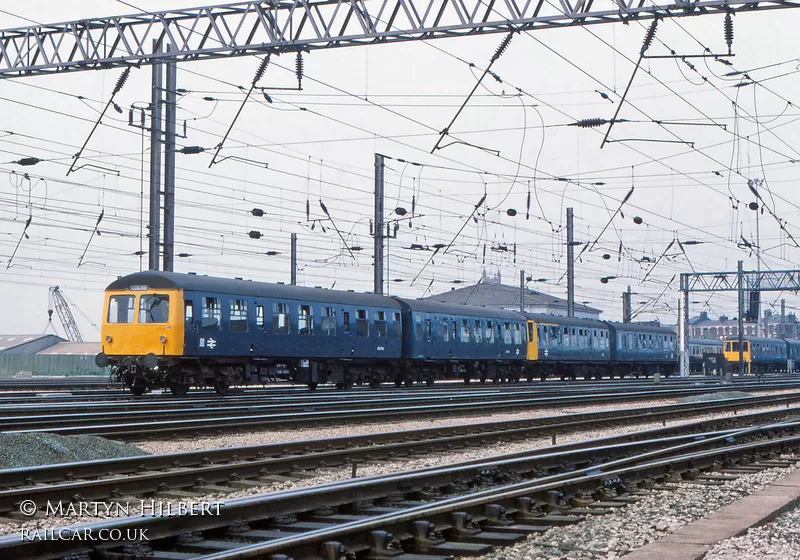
x=720 y=396
x=778 y=540
x=610 y=536
x=30 y=449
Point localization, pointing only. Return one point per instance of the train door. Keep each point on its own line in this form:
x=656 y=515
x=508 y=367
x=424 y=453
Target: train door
x=189 y=326
x=209 y=326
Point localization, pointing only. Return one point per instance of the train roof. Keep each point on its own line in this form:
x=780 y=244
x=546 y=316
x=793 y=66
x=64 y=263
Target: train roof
x=193 y=282
x=550 y=319
x=754 y=339
x=705 y=342
x=427 y=306
x=637 y=328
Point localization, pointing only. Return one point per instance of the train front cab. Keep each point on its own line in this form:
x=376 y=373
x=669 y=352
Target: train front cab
x=731 y=353
x=142 y=328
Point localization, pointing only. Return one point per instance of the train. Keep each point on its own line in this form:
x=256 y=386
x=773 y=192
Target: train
x=762 y=355
x=174 y=331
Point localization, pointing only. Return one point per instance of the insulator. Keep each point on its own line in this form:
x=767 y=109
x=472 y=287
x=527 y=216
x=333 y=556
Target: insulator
x=27 y=161
x=254 y=234
x=651 y=34
x=728 y=31
x=501 y=49
x=122 y=80
x=298 y=69
x=261 y=69
x=590 y=123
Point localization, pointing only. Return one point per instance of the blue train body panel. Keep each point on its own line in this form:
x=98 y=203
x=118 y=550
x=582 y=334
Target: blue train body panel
x=641 y=343
x=562 y=339
x=441 y=332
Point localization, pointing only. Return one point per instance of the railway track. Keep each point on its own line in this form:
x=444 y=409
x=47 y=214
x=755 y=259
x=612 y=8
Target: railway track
x=201 y=418
x=461 y=509
x=236 y=468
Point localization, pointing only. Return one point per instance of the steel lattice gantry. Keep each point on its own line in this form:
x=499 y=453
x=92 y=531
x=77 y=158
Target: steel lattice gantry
x=740 y=281
x=245 y=28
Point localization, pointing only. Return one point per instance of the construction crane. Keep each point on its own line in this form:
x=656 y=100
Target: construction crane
x=58 y=301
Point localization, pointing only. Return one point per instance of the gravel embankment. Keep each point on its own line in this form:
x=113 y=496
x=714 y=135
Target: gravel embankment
x=611 y=536
x=300 y=434
x=777 y=540
x=396 y=465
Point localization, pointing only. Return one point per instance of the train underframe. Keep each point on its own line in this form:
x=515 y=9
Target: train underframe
x=595 y=370
x=142 y=373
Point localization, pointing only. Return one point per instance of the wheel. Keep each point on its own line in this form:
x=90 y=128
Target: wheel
x=466 y=380
x=429 y=381
x=222 y=388
x=374 y=383
x=313 y=385
x=483 y=381
x=179 y=389
x=138 y=390
x=398 y=382
x=408 y=382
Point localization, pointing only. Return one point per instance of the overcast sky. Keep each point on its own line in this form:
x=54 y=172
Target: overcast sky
x=689 y=172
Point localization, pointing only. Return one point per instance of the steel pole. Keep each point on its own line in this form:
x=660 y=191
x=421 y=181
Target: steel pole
x=570 y=265
x=169 y=163
x=154 y=222
x=294 y=259
x=378 y=252
x=740 y=284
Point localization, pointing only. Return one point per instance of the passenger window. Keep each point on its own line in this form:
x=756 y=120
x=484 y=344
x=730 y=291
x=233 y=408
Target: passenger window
x=188 y=312
x=346 y=321
x=305 y=320
x=506 y=333
x=396 y=325
x=362 y=323
x=464 y=330
x=489 y=332
x=154 y=308
x=238 y=319
x=418 y=327
x=380 y=324
x=453 y=331
x=329 y=321
x=517 y=334
x=120 y=309
x=476 y=332
x=212 y=309
x=445 y=331
x=280 y=318
x=259 y=316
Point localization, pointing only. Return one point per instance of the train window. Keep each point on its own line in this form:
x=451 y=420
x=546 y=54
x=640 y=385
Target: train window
x=396 y=325
x=506 y=333
x=346 y=321
x=418 y=327
x=212 y=309
x=464 y=330
x=445 y=331
x=188 y=312
x=328 y=323
x=380 y=324
x=453 y=331
x=305 y=319
x=500 y=333
x=427 y=329
x=530 y=332
x=154 y=308
x=120 y=309
x=259 y=316
x=476 y=332
x=238 y=317
x=280 y=318
x=517 y=334
x=489 y=332
x=362 y=323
